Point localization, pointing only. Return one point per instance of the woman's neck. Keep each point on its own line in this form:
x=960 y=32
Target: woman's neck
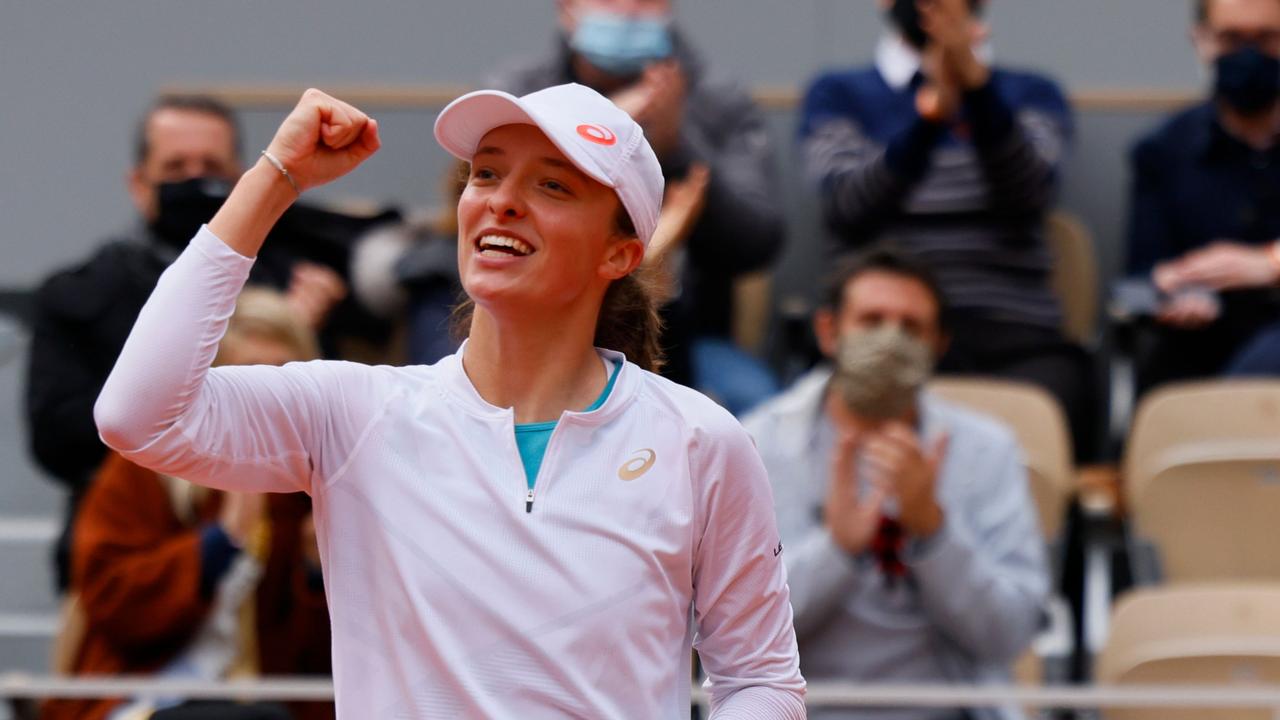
x=538 y=367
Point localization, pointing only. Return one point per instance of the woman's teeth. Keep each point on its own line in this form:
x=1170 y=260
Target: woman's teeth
x=499 y=245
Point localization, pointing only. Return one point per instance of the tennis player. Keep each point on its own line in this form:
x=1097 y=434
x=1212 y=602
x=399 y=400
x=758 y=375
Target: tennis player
x=534 y=527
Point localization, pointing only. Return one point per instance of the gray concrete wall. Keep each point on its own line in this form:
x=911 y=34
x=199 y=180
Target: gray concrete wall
x=74 y=76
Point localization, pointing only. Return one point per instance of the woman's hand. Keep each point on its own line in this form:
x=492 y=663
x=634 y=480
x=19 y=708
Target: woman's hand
x=323 y=139
x=320 y=141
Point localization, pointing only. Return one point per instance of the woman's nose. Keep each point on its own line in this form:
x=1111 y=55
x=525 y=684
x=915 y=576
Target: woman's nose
x=506 y=202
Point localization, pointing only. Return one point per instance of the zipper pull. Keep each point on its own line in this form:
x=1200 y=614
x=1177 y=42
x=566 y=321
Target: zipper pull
x=528 y=501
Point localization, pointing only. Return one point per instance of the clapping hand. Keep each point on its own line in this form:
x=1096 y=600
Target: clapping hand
x=949 y=62
x=656 y=103
x=896 y=458
x=682 y=205
x=851 y=518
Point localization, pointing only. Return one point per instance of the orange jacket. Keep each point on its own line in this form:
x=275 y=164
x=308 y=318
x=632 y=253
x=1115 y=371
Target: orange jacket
x=136 y=567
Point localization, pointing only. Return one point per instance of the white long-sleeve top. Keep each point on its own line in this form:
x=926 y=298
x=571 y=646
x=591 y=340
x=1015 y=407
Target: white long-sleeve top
x=451 y=595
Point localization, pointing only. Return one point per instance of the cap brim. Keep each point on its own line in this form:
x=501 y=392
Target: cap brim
x=464 y=122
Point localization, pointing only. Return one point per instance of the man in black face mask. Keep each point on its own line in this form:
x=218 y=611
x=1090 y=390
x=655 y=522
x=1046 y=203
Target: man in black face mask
x=186 y=158
x=1205 y=210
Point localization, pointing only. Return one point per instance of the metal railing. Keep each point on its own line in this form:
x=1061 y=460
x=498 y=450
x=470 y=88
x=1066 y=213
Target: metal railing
x=820 y=694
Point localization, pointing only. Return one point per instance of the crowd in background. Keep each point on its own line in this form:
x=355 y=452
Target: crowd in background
x=913 y=548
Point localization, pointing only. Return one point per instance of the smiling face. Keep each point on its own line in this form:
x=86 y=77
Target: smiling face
x=534 y=232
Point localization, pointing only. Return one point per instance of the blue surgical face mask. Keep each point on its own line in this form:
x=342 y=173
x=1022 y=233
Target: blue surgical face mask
x=620 y=44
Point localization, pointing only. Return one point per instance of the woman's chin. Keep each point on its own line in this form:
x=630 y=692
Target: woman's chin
x=496 y=294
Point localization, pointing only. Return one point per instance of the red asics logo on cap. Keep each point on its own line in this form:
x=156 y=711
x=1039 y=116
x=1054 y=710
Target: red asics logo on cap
x=597 y=134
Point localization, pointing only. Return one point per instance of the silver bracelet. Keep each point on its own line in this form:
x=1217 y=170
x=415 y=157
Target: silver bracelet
x=280 y=166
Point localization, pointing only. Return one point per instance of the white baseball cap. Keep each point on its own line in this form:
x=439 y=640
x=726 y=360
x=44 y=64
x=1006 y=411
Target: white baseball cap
x=594 y=134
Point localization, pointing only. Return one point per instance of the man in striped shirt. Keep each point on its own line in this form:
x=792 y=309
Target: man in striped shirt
x=958 y=162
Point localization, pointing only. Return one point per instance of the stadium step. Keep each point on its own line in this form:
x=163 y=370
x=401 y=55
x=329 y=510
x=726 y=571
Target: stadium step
x=26 y=556
x=26 y=641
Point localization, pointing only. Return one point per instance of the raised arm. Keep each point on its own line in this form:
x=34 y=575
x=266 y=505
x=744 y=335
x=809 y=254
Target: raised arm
x=247 y=428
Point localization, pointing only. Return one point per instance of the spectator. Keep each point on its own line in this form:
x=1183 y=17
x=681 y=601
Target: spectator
x=631 y=52
x=163 y=571
x=910 y=537
x=186 y=157
x=958 y=160
x=408 y=272
x=1205 y=208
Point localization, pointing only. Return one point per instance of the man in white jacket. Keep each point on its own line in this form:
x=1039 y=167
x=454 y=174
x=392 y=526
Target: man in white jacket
x=911 y=541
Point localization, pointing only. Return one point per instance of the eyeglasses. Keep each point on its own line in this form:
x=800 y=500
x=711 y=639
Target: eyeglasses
x=1268 y=41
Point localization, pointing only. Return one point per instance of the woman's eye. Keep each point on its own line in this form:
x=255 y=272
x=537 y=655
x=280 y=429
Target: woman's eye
x=555 y=186
x=483 y=174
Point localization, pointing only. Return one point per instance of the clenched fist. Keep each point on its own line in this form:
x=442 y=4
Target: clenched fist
x=323 y=138
x=320 y=141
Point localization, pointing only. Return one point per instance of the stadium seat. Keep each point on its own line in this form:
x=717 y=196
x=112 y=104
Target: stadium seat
x=1211 y=634
x=1075 y=275
x=1202 y=477
x=1041 y=428
x=752 y=310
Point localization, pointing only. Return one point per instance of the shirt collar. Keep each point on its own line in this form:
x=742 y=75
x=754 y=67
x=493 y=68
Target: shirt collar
x=459 y=387
x=896 y=61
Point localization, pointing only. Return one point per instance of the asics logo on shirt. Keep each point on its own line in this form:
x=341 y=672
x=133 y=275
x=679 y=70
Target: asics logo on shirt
x=638 y=465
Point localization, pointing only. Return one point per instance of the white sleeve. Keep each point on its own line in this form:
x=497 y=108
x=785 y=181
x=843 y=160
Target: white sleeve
x=254 y=428
x=741 y=604
x=820 y=574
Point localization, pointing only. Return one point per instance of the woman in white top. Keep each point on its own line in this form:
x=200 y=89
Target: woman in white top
x=533 y=527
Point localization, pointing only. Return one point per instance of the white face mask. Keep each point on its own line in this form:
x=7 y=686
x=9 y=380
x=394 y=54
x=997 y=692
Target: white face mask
x=879 y=372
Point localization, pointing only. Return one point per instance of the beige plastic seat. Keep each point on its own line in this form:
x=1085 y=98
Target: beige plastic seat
x=1041 y=428
x=752 y=304
x=1201 y=634
x=1074 y=277
x=1202 y=474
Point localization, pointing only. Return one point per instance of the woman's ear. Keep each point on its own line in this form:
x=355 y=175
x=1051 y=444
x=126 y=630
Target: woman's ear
x=621 y=257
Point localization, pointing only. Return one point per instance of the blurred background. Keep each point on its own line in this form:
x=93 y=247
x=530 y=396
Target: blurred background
x=75 y=78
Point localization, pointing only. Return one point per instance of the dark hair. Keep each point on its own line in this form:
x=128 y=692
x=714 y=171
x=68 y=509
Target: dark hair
x=629 y=321
x=886 y=258
x=189 y=103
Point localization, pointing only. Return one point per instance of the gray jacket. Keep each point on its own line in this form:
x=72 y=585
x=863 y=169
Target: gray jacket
x=741 y=228
x=972 y=600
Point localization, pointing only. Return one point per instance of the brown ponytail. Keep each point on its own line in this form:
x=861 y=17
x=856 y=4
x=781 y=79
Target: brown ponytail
x=629 y=321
